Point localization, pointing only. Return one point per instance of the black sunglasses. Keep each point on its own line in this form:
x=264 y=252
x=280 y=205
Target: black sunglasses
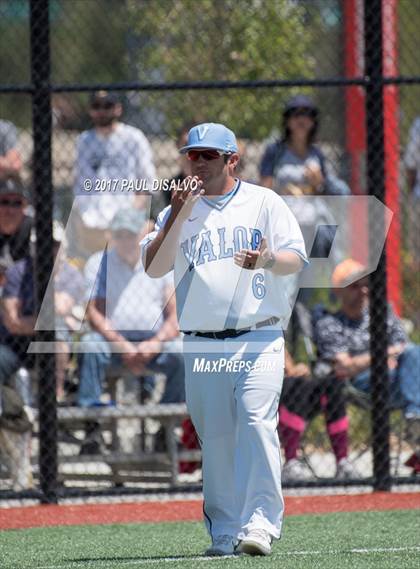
x=302 y=112
x=11 y=203
x=102 y=106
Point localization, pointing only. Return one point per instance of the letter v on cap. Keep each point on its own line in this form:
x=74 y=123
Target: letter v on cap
x=202 y=130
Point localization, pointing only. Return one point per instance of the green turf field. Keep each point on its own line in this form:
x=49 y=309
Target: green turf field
x=382 y=540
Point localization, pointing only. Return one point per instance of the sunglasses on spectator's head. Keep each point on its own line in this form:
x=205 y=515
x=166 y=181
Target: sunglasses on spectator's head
x=194 y=155
x=10 y=203
x=106 y=105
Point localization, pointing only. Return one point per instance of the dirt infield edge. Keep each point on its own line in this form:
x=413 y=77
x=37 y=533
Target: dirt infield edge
x=147 y=512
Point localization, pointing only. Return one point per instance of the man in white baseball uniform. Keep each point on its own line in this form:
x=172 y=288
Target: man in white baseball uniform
x=231 y=244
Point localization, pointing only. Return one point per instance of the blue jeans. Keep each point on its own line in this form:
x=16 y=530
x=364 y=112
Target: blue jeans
x=93 y=366
x=404 y=382
x=9 y=364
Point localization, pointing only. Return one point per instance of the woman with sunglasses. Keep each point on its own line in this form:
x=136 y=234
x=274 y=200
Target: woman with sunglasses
x=294 y=165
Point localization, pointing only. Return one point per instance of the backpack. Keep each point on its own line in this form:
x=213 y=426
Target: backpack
x=13 y=416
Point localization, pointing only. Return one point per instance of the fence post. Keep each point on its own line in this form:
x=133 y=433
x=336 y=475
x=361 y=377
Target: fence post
x=43 y=204
x=378 y=288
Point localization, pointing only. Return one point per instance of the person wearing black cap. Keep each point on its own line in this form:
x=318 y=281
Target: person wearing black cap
x=109 y=155
x=294 y=165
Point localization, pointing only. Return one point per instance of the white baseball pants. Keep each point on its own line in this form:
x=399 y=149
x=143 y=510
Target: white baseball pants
x=234 y=410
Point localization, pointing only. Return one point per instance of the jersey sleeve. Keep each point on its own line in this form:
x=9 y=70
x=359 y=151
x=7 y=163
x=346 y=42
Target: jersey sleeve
x=160 y=222
x=267 y=161
x=13 y=285
x=285 y=229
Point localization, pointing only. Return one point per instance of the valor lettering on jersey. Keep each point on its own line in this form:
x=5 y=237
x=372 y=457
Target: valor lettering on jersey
x=215 y=245
x=224 y=253
x=240 y=239
x=189 y=247
x=206 y=252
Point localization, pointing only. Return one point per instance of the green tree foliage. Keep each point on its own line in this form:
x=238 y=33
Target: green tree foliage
x=88 y=41
x=88 y=45
x=408 y=14
x=104 y=41
x=216 y=40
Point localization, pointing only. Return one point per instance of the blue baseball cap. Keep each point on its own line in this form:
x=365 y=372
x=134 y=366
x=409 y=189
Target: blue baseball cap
x=211 y=135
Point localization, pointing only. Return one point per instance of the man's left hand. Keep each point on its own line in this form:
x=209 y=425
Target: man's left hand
x=148 y=350
x=344 y=366
x=252 y=260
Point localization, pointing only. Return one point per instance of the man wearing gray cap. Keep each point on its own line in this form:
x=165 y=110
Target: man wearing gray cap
x=133 y=316
x=229 y=243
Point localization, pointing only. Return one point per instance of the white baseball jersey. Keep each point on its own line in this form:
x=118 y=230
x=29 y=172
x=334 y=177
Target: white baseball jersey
x=212 y=292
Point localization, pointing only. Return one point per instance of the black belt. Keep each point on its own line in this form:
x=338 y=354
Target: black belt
x=231 y=332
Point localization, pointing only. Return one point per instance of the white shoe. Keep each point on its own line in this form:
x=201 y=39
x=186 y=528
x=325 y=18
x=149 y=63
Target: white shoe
x=222 y=545
x=293 y=470
x=257 y=542
x=346 y=470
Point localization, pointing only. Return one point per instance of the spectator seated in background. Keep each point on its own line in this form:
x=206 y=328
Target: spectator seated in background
x=303 y=397
x=132 y=316
x=342 y=339
x=295 y=166
x=15 y=225
x=17 y=326
x=109 y=153
x=18 y=321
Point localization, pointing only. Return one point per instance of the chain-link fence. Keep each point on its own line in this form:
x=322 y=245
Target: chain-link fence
x=96 y=99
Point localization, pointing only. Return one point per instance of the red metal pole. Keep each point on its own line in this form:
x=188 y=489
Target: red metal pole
x=356 y=124
x=356 y=135
x=355 y=96
x=392 y=145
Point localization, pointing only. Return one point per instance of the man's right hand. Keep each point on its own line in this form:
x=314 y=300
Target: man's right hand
x=184 y=199
x=162 y=250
